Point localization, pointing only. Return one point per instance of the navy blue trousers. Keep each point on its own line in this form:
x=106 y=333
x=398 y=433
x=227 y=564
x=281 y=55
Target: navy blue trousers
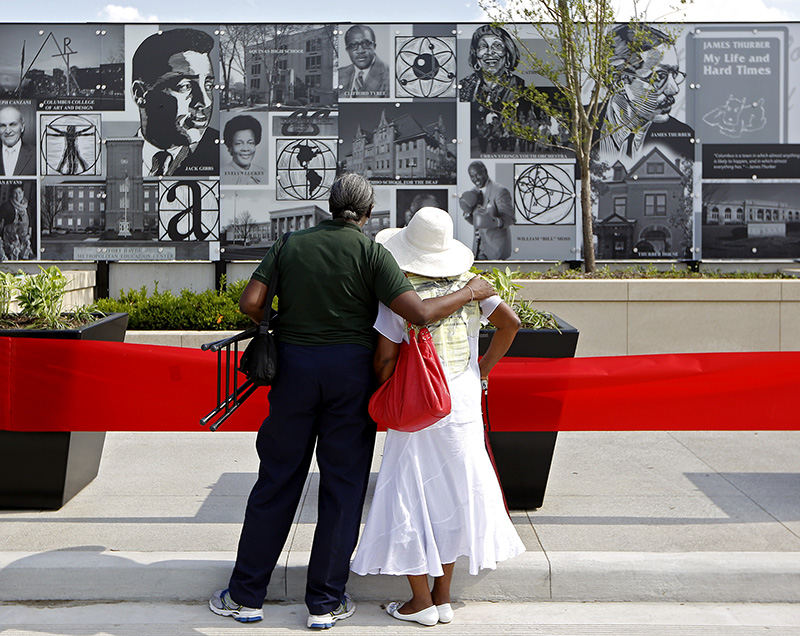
x=320 y=396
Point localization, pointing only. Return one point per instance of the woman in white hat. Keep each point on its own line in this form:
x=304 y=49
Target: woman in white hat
x=437 y=497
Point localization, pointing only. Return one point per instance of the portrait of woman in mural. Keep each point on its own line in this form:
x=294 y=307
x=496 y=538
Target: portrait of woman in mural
x=493 y=56
x=15 y=221
x=242 y=137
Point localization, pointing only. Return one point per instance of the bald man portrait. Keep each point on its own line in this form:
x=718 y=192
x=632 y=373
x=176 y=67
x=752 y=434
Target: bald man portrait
x=16 y=158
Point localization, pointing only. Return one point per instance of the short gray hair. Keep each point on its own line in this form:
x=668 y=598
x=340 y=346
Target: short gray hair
x=352 y=197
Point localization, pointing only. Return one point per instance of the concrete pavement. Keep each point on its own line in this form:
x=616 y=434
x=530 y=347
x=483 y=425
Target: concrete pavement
x=691 y=517
x=478 y=618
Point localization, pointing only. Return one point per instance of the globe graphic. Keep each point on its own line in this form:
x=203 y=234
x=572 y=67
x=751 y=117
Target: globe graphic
x=544 y=194
x=306 y=169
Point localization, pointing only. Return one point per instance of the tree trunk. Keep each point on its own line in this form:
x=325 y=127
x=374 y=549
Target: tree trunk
x=586 y=214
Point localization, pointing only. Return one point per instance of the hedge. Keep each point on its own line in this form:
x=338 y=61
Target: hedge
x=202 y=311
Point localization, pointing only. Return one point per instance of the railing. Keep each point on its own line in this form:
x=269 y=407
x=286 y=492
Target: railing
x=235 y=393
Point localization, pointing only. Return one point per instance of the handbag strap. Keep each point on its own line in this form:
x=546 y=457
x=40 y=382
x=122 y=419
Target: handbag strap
x=263 y=327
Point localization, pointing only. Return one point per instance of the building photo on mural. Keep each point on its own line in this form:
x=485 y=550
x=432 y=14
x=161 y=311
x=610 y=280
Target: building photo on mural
x=209 y=141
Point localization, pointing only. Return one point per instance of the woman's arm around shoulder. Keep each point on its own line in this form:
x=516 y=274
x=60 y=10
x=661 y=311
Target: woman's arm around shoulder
x=422 y=312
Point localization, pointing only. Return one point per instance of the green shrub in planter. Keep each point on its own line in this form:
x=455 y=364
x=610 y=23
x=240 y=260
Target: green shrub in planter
x=532 y=318
x=40 y=298
x=201 y=311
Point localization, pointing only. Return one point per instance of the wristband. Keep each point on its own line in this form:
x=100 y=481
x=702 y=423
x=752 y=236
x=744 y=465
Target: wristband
x=472 y=293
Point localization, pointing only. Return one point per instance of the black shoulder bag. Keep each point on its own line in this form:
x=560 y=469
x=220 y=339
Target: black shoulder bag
x=259 y=361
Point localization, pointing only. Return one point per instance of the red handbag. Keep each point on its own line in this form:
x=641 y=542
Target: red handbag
x=416 y=395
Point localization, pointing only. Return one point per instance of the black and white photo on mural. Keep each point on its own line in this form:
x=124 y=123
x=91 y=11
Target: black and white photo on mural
x=18 y=138
x=399 y=142
x=251 y=221
x=364 y=71
x=18 y=231
x=491 y=65
x=64 y=67
x=245 y=144
x=278 y=65
x=410 y=200
x=748 y=219
x=244 y=220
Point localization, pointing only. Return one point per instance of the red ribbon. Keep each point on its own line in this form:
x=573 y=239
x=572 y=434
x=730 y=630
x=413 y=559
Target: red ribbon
x=68 y=385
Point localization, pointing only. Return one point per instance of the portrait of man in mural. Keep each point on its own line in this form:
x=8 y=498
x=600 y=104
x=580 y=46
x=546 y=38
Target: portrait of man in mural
x=368 y=75
x=648 y=80
x=493 y=56
x=17 y=158
x=173 y=83
x=489 y=208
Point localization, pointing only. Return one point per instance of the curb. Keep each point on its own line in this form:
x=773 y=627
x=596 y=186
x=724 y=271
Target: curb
x=757 y=577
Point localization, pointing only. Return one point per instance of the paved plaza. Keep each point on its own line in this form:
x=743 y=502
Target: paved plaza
x=632 y=522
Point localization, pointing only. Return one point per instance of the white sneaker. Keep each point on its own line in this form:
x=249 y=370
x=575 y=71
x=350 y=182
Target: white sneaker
x=222 y=604
x=325 y=621
x=428 y=617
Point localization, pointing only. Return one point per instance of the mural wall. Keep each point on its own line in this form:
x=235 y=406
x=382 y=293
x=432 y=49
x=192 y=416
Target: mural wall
x=174 y=142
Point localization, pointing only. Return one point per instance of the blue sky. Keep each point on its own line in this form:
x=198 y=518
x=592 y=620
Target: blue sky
x=348 y=10
x=248 y=10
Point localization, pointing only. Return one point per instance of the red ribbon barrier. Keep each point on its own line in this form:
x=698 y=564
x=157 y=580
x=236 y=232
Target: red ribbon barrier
x=68 y=385
x=71 y=385
x=682 y=391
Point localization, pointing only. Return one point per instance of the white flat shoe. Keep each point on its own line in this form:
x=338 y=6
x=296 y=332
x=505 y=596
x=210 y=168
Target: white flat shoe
x=428 y=617
x=445 y=612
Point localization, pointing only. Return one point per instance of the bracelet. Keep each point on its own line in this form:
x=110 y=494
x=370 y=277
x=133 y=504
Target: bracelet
x=471 y=291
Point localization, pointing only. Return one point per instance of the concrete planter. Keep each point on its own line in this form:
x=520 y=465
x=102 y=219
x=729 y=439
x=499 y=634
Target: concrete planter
x=44 y=470
x=644 y=316
x=523 y=458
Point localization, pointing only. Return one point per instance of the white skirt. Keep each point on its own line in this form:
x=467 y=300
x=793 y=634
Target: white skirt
x=437 y=498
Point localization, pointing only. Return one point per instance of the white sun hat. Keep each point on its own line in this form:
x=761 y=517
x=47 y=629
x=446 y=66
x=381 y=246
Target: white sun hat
x=426 y=245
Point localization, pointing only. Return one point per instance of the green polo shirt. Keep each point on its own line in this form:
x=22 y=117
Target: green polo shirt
x=331 y=279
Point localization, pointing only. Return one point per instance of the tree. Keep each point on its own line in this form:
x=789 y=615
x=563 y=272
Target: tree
x=579 y=60
x=233 y=43
x=54 y=202
x=244 y=227
x=681 y=217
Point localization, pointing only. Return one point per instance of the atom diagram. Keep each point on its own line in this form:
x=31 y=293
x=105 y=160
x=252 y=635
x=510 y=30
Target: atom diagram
x=426 y=66
x=544 y=194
